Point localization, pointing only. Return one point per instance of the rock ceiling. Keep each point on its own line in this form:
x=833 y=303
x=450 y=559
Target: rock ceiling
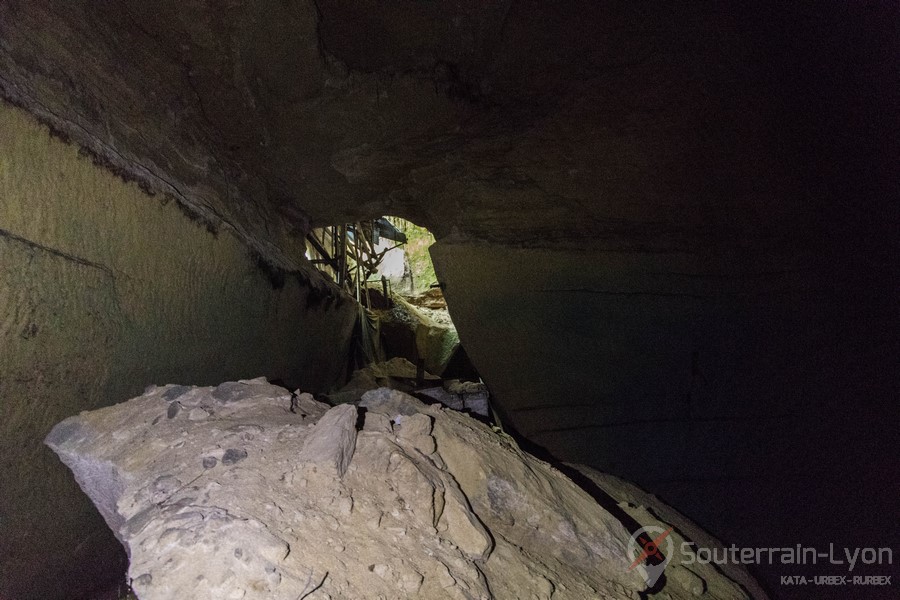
x=602 y=124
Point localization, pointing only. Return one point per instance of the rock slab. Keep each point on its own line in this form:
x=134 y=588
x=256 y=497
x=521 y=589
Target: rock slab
x=274 y=495
x=332 y=441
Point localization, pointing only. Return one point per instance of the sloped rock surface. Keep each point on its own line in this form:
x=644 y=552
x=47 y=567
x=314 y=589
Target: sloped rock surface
x=687 y=576
x=248 y=491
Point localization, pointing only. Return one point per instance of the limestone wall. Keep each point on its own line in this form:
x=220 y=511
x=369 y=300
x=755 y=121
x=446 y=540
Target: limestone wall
x=749 y=391
x=103 y=290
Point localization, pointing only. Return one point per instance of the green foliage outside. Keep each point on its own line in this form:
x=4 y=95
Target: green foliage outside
x=418 y=240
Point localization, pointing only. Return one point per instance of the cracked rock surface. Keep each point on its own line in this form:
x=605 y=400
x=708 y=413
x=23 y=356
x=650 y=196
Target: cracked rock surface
x=247 y=491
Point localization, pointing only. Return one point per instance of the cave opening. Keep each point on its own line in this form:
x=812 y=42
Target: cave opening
x=390 y=251
x=404 y=336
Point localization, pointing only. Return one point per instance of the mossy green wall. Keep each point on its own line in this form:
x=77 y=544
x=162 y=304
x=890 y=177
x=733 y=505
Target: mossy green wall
x=103 y=290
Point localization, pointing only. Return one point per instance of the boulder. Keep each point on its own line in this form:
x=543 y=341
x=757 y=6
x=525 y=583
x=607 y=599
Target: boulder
x=332 y=441
x=276 y=495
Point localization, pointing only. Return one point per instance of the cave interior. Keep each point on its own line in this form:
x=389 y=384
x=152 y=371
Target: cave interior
x=667 y=235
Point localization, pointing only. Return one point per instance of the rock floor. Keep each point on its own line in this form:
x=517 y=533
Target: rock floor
x=246 y=490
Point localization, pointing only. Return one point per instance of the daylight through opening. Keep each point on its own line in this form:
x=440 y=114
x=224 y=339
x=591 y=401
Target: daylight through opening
x=404 y=336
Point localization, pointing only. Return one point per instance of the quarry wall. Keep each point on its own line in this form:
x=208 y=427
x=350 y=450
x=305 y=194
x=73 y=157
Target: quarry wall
x=104 y=290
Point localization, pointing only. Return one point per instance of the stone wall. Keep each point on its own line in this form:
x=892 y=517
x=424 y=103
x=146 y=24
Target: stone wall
x=749 y=391
x=103 y=290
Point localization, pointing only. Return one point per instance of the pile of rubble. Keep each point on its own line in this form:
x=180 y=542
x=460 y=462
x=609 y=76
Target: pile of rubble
x=246 y=490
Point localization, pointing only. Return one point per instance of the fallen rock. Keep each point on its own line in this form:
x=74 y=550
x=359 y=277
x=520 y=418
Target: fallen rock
x=413 y=333
x=331 y=444
x=275 y=495
x=397 y=373
x=461 y=395
x=392 y=403
x=432 y=298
